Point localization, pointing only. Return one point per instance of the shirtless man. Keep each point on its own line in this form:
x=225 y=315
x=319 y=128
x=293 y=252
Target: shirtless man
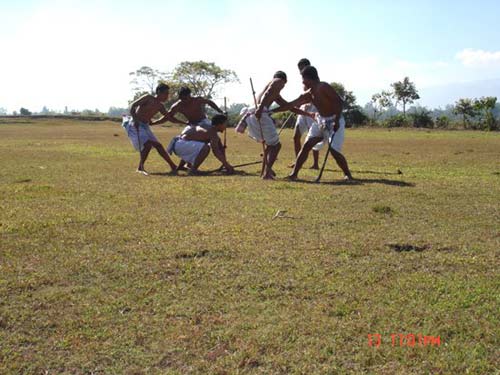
x=303 y=124
x=329 y=120
x=193 y=108
x=195 y=142
x=260 y=117
x=138 y=128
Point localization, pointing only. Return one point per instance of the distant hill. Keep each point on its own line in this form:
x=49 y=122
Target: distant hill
x=440 y=96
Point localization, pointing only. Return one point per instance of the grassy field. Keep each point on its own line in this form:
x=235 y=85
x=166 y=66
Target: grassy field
x=104 y=271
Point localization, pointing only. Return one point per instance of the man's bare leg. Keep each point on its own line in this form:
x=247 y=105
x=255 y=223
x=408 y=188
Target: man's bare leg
x=164 y=155
x=200 y=158
x=144 y=155
x=342 y=163
x=272 y=155
x=296 y=144
x=316 y=159
x=302 y=157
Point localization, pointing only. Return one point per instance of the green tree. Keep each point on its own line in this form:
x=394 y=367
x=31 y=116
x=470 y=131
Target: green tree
x=25 y=112
x=3 y=111
x=202 y=77
x=465 y=107
x=405 y=92
x=145 y=79
x=380 y=102
x=352 y=111
x=484 y=107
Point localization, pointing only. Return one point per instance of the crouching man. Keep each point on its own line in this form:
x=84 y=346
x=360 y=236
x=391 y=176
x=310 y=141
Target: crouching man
x=194 y=143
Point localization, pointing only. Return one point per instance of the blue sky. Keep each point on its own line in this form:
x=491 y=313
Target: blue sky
x=79 y=53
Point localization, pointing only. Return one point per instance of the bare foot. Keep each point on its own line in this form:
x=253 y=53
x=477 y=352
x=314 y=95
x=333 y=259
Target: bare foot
x=142 y=171
x=268 y=177
x=291 y=177
x=314 y=167
x=348 y=178
x=181 y=168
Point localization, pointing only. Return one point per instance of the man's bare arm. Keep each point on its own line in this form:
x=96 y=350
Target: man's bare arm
x=170 y=115
x=211 y=104
x=292 y=106
x=162 y=119
x=215 y=144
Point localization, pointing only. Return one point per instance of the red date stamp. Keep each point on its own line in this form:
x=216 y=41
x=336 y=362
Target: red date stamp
x=404 y=340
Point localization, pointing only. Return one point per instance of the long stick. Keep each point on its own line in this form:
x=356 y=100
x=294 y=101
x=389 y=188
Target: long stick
x=264 y=156
x=283 y=126
x=225 y=130
x=324 y=161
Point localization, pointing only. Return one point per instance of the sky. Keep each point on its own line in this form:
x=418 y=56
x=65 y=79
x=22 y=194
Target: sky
x=79 y=53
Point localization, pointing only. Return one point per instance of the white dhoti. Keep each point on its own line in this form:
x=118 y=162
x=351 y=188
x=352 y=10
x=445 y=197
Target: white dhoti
x=186 y=150
x=304 y=123
x=271 y=137
x=145 y=133
x=323 y=128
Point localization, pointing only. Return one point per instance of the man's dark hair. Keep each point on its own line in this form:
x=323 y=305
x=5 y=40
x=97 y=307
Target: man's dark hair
x=303 y=63
x=279 y=74
x=184 y=92
x=310 y=72
x=161 y=88
x=218 y=119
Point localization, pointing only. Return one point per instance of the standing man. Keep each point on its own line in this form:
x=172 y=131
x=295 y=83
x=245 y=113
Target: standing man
x=304 y=123
x=138 y=128
x=260 y=116
x=329 y=120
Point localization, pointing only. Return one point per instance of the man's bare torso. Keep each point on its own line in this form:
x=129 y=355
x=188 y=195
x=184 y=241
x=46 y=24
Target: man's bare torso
x=326 y=100
x=193 y=109
x=148 y=107
x=270 y=93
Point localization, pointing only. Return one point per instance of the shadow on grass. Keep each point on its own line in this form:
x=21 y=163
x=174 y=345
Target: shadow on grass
x=205 y=174
x=360 y=181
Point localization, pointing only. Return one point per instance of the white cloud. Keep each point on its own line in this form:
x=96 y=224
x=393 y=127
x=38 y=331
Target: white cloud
x=478 y=57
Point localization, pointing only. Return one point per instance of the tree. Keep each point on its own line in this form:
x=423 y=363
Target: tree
x=465 y=108
x=146 y=79
x=3 y=111
x=25 y=112
x=380 y=101
x=485 y=106
x=405 y=92
x=352 y=111
x=202 y=77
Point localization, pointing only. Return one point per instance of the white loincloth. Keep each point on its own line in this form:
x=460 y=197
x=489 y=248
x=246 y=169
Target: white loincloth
x=323 y=128
x=186 y=150
x=271 y=137
x=145 y=133
x=304 y=123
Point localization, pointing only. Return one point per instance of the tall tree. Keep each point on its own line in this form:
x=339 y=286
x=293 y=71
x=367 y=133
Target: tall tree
x=352 y=111
x=202 y=77
x=381 y=101
x=465 y=108
x=405 y=92
x=25 y=112
x=145 y=79
x=3 y=111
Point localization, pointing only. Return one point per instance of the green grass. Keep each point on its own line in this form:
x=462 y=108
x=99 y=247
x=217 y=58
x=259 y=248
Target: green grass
x=105 y=271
